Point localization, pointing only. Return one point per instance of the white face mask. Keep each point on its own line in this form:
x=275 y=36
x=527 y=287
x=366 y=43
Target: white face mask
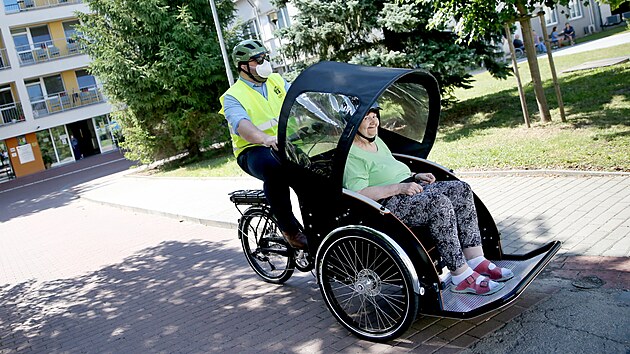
x=264 y=70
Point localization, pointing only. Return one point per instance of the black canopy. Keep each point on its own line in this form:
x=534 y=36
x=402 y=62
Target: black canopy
x=361 y=86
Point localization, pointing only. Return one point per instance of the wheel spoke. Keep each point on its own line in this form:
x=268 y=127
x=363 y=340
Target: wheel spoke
x=381 y=313
x=348 y=256
x=367 y=286
x=261 y=246
x=345 y=270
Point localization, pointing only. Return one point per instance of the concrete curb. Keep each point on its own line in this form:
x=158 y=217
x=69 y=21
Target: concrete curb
x=506 y=173
x=542 y=173
x=206 y=222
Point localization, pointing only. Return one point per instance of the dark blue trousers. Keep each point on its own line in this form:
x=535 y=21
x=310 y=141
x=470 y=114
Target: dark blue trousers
x=259 y=162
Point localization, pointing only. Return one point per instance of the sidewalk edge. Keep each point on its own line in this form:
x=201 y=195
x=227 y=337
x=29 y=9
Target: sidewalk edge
x=541 y=173
x=206 y=222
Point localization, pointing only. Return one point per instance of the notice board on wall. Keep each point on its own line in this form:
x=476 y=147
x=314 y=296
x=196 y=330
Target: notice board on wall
x=25 y=153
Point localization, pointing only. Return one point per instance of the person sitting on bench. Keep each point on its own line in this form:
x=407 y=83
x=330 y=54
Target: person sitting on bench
x=555 y=38
x=569 y=33
x=447 y=207
x=539 y=43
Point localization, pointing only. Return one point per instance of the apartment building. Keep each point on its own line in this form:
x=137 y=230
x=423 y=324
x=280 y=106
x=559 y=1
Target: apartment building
x=52 y=111
x=260 y=19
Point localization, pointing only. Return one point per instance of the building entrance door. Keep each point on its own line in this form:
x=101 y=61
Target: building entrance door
x=84 y=132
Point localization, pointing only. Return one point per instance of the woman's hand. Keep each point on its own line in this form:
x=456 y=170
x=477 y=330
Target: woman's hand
x=424 y=177
x=410 y=188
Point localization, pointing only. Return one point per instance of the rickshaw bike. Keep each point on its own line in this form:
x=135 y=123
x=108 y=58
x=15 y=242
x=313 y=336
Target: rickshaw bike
x=374 y=273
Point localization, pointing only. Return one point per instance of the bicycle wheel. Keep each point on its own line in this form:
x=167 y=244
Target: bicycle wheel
x=367 y=286
x=265 y=249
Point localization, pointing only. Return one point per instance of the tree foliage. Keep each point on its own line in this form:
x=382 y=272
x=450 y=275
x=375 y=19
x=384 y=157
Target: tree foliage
x=160 y=62
x=476 y=19
x=393 y=33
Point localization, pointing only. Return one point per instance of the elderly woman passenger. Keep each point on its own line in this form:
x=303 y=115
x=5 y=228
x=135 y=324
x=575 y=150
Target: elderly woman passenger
x=447 y=207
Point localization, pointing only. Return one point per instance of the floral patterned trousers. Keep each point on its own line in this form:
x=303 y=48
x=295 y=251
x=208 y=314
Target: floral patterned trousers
x=448 y=209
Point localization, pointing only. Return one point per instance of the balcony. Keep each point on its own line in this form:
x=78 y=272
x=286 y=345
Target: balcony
x=11 y=113
x=49 y=50
x=4 y=59
x=64 y=101
x=12 y=7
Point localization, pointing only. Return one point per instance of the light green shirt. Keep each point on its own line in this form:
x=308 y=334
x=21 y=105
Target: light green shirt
x=367 y=169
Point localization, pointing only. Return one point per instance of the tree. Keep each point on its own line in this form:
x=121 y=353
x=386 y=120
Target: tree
x=477 y=19
x=161 y=64
x=391 y=33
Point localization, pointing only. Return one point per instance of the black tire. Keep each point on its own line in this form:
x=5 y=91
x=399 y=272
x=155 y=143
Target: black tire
x=367 y=287
x=265 y=249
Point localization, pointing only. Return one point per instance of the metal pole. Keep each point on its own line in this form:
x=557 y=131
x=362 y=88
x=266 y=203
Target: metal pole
x=552 y=66
x=256 y=20
x=521 y=94
x=226 y=61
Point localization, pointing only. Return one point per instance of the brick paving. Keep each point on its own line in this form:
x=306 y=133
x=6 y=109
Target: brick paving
x=146 y=283
x=93 y=278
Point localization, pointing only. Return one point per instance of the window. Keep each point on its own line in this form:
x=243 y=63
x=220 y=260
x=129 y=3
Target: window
x=6 y=97
x=551 y=16
x=20 y=39
x=53 y=84
x=280 y=19
x=36 y=96
x=84 y=79
x=31 y=43
x=34 y=89
x=11 y=6
x=575 y=9
x=250 y=29
x=405 y=110
x=69 y=28
x=317 y=122
x=40 y=34
x=283 y=18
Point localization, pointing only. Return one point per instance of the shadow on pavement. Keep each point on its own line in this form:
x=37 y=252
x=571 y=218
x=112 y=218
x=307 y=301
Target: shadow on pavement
x=192 y=297
x=49 y=189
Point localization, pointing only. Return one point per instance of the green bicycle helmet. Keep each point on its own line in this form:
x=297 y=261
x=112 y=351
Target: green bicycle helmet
x=247 y=49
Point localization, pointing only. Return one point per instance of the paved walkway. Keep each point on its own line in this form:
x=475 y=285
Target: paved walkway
x=603 y=43
x=589 y=214
x=123 y=281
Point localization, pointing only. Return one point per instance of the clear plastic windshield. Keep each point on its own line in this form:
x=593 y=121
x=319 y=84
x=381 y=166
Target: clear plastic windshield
x=405 y=110
x=314 y=127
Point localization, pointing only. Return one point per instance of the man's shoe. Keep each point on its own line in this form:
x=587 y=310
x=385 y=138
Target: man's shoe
x=297 y=240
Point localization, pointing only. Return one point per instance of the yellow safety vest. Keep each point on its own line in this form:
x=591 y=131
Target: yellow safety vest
x=263 y=112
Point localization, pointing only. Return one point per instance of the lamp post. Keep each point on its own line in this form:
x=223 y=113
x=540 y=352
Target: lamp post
x=226 y=61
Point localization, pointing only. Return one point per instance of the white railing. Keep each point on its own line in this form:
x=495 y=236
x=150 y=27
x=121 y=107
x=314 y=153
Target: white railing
x=15 y=6
x=11 y=113
x=4 y=59
x=49 y=50
x=63 y=101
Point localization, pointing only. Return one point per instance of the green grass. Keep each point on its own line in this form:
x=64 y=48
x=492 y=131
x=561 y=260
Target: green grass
x=485 y=130
x=484 y=83
x=214 y=163
x=602 y=34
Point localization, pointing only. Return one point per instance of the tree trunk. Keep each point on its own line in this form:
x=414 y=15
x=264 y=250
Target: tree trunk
x=194 y=152
x=532 y=61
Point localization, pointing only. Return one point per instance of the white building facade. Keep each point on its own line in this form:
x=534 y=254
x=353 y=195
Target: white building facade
x=52 y=111
x=260 y=19
x=586 y=17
